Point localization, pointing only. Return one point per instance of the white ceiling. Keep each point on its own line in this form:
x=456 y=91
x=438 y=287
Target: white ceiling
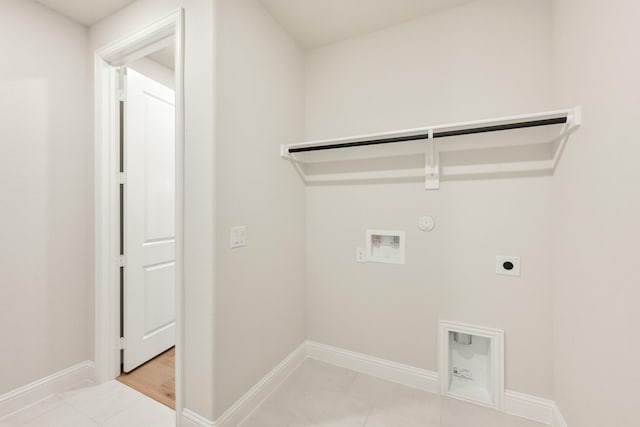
x=165 y=57
x=313 y=23
x=86 y=12
x=316 y=23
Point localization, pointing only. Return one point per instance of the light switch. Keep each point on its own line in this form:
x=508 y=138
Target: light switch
x=238 y=236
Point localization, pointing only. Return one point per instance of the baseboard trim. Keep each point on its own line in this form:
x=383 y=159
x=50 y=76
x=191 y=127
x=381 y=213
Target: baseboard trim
x=519 y=404
x=522 y=405
x=515 y=403
x=192 y=419
x=531 y=407
x=55 y=383
x=381 y=368
x=247 y=404
x=558 y=418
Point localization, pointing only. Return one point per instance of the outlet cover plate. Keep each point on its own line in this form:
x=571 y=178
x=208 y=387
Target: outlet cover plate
x=508 y=265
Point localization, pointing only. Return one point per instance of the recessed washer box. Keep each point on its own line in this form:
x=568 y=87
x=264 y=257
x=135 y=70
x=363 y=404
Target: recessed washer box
x=386 y=246
x=471 y=363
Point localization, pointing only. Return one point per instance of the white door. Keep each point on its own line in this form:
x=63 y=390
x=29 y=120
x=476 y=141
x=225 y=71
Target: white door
x=149 y=220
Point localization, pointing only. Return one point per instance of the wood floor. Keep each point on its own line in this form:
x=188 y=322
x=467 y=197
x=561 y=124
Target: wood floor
x=156 y=378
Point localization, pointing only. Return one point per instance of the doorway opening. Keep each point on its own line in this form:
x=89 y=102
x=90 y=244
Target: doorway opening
x=139 y=209
x=147 y=225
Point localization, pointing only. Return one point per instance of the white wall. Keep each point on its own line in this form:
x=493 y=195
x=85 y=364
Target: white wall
x=596 y=210
x=45 y=203
x=259 y=311
x=488 y=58
x=199 y=179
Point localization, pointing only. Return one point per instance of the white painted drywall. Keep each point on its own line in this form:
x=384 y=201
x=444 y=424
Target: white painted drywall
x=45 y=203
x=596 y=211
x=199 y=179
x=85 y=12
x=155 y=71
x=259 y=309
x=488 y=58
x=316 y=23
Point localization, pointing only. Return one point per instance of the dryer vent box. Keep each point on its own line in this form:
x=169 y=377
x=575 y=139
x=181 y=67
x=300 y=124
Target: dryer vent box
x=386 y=246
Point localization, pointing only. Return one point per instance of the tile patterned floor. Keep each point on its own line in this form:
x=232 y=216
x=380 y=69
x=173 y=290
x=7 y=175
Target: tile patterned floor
x=318 y=394
x=111 y=404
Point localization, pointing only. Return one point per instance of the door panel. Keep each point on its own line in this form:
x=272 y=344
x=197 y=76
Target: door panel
x=149 y=280
x=159 y=305
x=160 y=169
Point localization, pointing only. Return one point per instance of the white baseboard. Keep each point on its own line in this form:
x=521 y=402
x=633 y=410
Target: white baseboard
x=530 y=407
x=247 y=404
x=558 y=419
x=56 y=383
x=518 y=404
x=381 y=368
x=522 y=405
x=191 y=419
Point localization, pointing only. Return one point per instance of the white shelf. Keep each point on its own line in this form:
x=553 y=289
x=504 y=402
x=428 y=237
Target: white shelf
x=515 y=145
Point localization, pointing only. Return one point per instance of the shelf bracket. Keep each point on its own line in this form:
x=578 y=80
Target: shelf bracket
x=284 y=153
x=431 y=164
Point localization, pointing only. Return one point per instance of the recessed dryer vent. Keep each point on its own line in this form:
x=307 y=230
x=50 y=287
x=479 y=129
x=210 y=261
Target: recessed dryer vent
x=472 y=363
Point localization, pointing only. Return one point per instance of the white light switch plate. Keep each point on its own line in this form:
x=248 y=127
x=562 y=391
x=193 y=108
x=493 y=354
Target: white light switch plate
x=361 y=255
x=238 y=236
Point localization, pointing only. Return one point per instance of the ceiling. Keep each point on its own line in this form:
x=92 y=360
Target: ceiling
x=86 y=12
x=316 y=23
x=165 y=57
x=313 y=23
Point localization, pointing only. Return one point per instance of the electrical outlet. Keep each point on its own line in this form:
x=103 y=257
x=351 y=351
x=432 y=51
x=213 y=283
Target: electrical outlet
x=361 y=255
x=508 y=265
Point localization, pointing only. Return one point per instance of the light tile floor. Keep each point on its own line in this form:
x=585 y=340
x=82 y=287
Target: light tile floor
x=111 y=404
x=318 y=394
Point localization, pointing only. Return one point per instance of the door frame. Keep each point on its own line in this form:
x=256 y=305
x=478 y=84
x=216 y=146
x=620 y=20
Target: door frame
x=107 y=191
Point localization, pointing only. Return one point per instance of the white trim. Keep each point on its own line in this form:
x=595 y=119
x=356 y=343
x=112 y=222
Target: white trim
x=127 y=49
x=497 y=359
x=106 y=217
x=527 y=406
x=380 y=368
x=191 y=419
x=247 y=404
x=518 y=404
x=253 y=399
x=55 y=383
x=557 y=418
x=515 y=403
